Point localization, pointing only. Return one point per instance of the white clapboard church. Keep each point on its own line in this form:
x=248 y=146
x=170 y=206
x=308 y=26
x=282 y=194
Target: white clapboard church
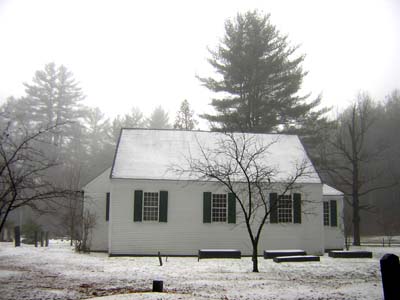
x=142 y=207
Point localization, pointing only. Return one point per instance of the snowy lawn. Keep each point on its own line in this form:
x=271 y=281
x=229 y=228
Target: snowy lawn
x=58 y=272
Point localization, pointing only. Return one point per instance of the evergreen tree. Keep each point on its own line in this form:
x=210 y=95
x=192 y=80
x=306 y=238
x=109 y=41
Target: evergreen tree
x=134 y=119
x=54 y=98
x=99 y=142
x=116 y=126
x=184 y=117
x=159 y=119
x=98 y=131
x=259 y=78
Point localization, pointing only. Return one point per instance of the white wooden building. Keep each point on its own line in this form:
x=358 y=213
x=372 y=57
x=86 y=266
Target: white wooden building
x=143 y=208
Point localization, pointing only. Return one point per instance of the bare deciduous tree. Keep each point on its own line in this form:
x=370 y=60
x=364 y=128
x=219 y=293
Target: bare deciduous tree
x=23 y=168
x=240 y=163
x=88 y=223
x=350 y=161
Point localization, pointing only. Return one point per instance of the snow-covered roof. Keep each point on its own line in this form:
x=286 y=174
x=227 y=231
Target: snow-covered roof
x=330 y=191
x=151 y=154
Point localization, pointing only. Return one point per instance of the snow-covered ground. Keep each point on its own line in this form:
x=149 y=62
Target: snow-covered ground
x=57 y=272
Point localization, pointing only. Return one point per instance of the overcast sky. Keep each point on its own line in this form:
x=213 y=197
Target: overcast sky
x=147 y=53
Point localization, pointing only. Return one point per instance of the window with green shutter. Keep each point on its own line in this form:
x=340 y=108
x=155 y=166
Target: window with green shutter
x=150 y=206
x=219 y=208
x=285 y=208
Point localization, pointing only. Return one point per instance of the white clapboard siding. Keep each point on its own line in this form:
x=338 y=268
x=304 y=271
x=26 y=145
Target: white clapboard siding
x=185 y=233
x=95 y=193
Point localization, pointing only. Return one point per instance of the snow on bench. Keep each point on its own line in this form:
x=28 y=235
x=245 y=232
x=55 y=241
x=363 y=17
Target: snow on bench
x=296 y=258
x=219 y=253
x=350 y=254
x=275 y=253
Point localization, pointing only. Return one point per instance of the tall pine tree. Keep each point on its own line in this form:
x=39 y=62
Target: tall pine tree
x=259 y=77
x=54 y=97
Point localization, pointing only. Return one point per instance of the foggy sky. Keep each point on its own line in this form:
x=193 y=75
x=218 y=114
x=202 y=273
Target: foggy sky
x=147 y=53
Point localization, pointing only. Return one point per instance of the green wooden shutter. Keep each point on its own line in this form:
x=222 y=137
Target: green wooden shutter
x=138 y=204
x=207 y=207
x=163 y=211
x=231 y=208
x=273 y=209
x=297 y=208
x=333 y=211
x=107 y=206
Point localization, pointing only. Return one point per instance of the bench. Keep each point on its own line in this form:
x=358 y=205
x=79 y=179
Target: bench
x=350 y=254
x=297 y=258
x=274 y=253
x=219 y=253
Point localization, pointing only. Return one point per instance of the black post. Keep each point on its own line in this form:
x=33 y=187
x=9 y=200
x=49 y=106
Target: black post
x=159 y=259
x=17 y=236
x=158 y=286
x=390 y=269
x=47 y=239
x=41 y=239
x=36 y=239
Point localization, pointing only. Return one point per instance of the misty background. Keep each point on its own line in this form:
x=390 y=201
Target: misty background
x=122 y=64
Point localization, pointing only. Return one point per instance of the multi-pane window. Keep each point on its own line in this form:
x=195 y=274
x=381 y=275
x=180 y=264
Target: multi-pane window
x=326 y=213
x=150 y=206
x=285 y=206
x=219 y=206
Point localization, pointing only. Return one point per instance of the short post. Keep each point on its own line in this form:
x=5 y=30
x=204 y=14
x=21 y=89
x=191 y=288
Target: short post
x=157 y=286
x=159 y=258
x=41 y=239
x=17 y=236
x=47 y=239
x=36 y=239
x=383 y=242
x=390 y=269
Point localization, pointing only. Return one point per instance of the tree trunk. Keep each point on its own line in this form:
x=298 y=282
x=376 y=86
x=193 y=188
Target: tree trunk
x=255 y=258
x=355 y=188
x=72 y=229
x=4 y=217
x=356 y=221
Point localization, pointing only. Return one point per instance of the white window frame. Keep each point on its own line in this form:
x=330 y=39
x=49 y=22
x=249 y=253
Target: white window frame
x=326 y=213
x=283 y=214
x=157 y=211
x=223 y=217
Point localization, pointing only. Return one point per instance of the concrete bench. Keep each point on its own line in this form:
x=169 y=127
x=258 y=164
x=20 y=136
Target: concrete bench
x=274 y=253
x=297 y=258
x=350 y=254
x=219 y=253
